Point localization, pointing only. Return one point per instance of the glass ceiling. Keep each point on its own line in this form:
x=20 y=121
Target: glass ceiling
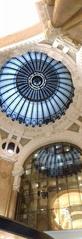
x=35 y=88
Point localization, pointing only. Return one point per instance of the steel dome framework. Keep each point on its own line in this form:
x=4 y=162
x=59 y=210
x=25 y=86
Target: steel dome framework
x=35 y=88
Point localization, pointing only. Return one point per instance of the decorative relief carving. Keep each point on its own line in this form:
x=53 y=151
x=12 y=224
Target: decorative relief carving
x=74 y=127
x=24 y=141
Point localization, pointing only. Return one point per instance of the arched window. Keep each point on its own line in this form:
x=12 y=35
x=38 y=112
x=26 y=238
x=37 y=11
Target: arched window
x=50 y=196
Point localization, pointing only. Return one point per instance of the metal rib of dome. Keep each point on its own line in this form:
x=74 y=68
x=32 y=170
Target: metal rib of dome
x=58 y=160
x=35 y=89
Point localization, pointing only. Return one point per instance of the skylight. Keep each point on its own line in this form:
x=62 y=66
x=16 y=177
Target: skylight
x=17 y=15
x=35 y=89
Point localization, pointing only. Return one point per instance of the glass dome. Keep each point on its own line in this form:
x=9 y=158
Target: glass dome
x=58 y=160
x=35 y=88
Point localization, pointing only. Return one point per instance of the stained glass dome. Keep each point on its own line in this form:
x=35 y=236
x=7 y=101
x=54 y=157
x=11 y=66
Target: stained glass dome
x=58 y=160
x=35 y=88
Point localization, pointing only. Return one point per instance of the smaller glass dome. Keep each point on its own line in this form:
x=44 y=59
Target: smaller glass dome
x=50 y=195
x=58 y=159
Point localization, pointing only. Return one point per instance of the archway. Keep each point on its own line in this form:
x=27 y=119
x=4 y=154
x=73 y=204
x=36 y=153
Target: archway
x=52 y=175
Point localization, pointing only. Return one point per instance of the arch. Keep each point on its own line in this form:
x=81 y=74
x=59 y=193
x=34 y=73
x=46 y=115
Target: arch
x=36 y=143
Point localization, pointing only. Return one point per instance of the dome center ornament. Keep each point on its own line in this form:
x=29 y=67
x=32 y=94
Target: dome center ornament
x=37 y=81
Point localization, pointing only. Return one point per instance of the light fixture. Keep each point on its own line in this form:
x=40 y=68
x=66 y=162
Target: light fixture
x=35 y=156
x=28 y=171
x=42 y=168
x=80 y=184
x=10 y=151
x=35 y=185
x=58 y=146
x=58 y=156
x=11 y=147
x=79 y=178
x=67 y=148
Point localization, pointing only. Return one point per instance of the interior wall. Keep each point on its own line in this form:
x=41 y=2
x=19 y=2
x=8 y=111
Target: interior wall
x=6 y=181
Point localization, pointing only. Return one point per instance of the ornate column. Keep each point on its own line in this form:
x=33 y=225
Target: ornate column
x=17 y=173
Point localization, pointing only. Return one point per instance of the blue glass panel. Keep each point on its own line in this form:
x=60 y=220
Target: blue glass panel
x=6 y=76
x=19 y=105
x=14 y=104
x=65 y=91
x=29 y=110
x=12 y=65
x=63 y=69
x=9 y=71
x=16 y=61
x=59 y=102
x=35 y=111
x=24 y=108
x=5 y=89
x=58 y=65
x=55 y=105
x=64 y=75
x=40 y=112
x=21 y=59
